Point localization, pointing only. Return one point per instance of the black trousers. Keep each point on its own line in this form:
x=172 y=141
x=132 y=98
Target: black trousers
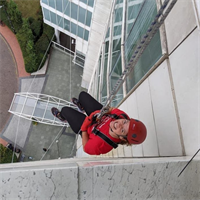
x=76 y=118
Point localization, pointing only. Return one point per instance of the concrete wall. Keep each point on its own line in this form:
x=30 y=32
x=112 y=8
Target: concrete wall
x=101 y=179
x=98 y=30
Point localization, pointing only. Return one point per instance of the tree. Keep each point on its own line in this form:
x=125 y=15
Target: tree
x=26 y=41
x=3 y=3
x=14 y=15
x=6 y=155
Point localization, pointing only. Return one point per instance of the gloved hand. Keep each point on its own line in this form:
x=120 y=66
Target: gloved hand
x=93 y=113
x=88 y=121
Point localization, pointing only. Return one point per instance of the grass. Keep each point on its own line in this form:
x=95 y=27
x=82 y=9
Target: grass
x=29 y=8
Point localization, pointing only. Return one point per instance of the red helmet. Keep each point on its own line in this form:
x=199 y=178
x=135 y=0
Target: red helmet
x=137 y=132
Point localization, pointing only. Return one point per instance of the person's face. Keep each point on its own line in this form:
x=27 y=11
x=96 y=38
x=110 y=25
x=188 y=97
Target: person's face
x=120 y=126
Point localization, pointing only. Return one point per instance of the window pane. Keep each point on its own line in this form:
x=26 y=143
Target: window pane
x=66 y=25
x=117 y=30
x=74 y=9
x=80 y=32
x=133 y=11
x=90 y=3
x=53 y=17
x=86 y=35
x=59 y=5
x=81 y=15
x=73 y=28
x=120 y=1
x=52 y=3
x=66 y=7
x=88 y=19
x=118 y=15
x=84 y=1
x=59 y=21
x=45 y=1
x=46 y=14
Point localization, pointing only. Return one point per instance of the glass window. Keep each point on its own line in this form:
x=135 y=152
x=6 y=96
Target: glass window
x=52 y=3
x=73 y=28
x=60 y=21
x=46 y=14
x=59 y=5
x=118 y=15
x=40 y=109
x=84 y=1
x=120 y=1
x=74 y=11
x=133 y=11
x=86 y=35
x=91 y=3
x=66 y=25
x=117 y=30
x=88 y=18
x=80 y=32
x=45 y=1
x=81 y=15
x=108 y=33
x=66 y=7
x=53 y=17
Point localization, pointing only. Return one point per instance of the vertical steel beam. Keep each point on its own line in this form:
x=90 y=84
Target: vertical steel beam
x=123 y=37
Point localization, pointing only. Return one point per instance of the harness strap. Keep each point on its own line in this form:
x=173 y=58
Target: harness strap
x=105 y=138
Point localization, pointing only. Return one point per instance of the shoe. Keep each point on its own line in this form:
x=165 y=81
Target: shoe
x=77 y=103
x=56 y=113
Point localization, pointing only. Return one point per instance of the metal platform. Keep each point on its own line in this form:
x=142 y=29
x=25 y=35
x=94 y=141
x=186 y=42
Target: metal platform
x=37 y=107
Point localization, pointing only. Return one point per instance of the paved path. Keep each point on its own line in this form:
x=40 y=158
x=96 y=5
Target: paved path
x=15 y=47
x=11 y=67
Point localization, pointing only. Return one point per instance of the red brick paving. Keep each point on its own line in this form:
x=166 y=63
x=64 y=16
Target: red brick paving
x=15 y=47
x=16 y=50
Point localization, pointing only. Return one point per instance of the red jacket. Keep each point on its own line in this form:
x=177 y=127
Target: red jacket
x=96 y=145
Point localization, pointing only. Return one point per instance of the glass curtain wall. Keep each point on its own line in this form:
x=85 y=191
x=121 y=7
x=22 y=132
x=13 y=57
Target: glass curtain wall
x=139 y=16
x=72 y=11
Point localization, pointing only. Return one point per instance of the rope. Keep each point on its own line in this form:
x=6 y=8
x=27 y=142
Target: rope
x=155 y=25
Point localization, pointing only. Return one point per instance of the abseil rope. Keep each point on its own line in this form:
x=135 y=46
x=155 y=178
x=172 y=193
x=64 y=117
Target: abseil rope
x=155 y=25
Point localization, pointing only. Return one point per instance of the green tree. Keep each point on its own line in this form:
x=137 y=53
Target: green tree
x=14 y=15
x=6 y=155
x=26 y=41
x=3 y=3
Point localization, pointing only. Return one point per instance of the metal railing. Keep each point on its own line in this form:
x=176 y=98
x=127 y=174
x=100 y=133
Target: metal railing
x=76 y=58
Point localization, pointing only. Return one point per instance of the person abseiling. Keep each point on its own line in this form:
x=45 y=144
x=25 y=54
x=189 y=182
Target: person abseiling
x=99 y=136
